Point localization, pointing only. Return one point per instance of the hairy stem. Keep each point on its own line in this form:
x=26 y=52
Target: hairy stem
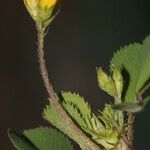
x=130 y=134
x=85 y=141
x=125 y=145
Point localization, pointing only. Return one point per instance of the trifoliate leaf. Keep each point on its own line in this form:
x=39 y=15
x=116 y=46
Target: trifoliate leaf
x=48 y=139
x=134 y=59
x=80 y=111
x=76 y=107
x=20 y=142
x=104 y=130
x=77 y=101
x=52 y=116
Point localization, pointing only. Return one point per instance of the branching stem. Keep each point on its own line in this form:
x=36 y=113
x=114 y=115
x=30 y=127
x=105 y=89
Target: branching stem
x=51 y=93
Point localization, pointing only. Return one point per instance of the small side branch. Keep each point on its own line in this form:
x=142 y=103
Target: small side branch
x=144 y=89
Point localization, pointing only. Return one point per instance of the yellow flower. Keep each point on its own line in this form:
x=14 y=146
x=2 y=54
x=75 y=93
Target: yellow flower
x=40 y=10
x=47 y=3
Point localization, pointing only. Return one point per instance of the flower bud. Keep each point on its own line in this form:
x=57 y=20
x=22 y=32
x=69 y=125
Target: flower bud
x=106 y=83
x=118 y=79
x=40 y=10
x=46 y=4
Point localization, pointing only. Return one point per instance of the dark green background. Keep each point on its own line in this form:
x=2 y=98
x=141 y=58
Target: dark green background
x=83 y=36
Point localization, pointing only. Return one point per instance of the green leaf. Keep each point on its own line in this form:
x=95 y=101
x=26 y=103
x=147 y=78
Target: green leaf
x=76 y=107
x=102 y=130
x=48 y=139
x=80 y=111
x=20 y=142
x=51 y=115
x=76 y=101
x=134 y=59
x=145 y=66
x=40 y=139
x=113 y=122
x=55 y=119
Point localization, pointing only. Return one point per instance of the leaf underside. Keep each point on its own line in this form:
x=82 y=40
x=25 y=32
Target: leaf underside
x=48 y=139
x=40 y=139
x=20 y=142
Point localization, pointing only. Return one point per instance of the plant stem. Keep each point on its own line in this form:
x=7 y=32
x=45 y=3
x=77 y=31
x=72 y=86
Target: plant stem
x=125 y=145
x=144 y=89
x=86 y=142
x=130 y=133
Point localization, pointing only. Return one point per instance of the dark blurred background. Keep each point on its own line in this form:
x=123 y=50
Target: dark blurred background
x=83 y=36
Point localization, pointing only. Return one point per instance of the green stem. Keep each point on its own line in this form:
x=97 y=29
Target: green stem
x=144 y=89
x=84 y=141
x=146 y=101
